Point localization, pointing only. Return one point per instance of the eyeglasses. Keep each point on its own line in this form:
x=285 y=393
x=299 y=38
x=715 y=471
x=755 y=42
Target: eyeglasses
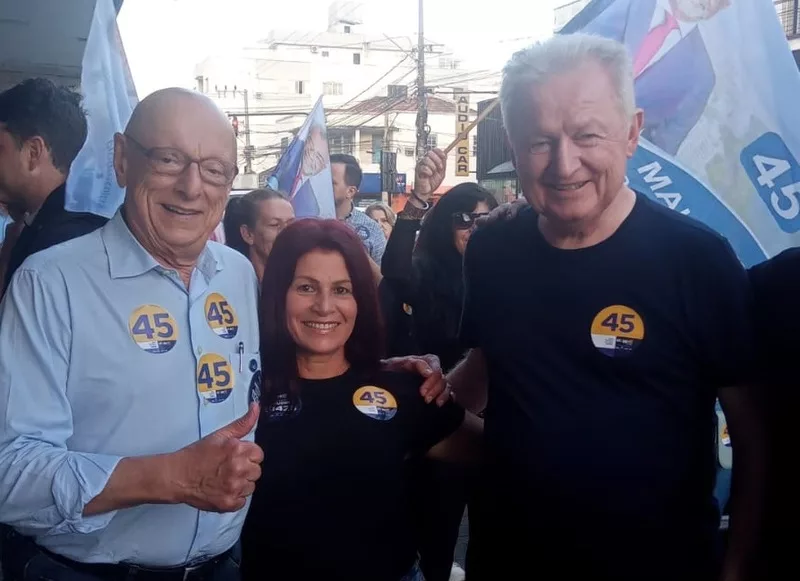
x=169 y=161
x=466 y=220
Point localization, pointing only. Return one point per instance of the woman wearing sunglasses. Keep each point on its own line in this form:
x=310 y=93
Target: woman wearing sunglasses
x=425 y=274
x=336 y=430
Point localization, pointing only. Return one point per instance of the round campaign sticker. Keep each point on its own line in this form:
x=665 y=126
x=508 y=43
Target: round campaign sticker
x=153 y=329
x=221 y=317
x=726 y=438
x=617 y=330
x=375 y=402
x=214 y=378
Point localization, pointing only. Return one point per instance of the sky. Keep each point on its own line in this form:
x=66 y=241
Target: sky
x=165 y=39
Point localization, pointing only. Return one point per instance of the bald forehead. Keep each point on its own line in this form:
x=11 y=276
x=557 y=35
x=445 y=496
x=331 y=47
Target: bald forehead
x=185 y=120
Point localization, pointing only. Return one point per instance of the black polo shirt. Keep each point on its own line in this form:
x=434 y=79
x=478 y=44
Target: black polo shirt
x=52 y=225
x=604 y=365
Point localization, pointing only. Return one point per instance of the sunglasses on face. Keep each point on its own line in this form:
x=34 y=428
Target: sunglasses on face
x=466 y=220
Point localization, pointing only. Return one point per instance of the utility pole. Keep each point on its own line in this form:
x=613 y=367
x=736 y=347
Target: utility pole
x=248 y=150
x=422 y=97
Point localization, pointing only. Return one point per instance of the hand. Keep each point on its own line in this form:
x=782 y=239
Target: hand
x=429 y=174
x=503 y=213
x=219 y=472
x=435 y=386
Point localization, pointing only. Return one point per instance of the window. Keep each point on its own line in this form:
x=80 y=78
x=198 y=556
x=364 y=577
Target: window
x=332 y=88
x=356 y=58
x=259 y=96
x=377 y=148
x=200 y=84
x=408 y=151
x=398 y=91
x=449 y=63
x=346 y=29
x=299 y=87
x=433 y=140
x=342 y=143
x=325 y=54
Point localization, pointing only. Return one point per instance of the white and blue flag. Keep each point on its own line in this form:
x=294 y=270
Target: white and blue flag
x=718 y=85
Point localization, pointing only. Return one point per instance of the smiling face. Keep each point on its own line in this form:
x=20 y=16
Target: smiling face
x=174 y=215
x=320 y=307
x=572 y=145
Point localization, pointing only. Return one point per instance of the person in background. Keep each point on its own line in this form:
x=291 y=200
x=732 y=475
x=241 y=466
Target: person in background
x=347 y=174
x=383 y=215
x=42 y=129
x=337 y=428
x=605 y=326
x=425 y=273
x=255 y=221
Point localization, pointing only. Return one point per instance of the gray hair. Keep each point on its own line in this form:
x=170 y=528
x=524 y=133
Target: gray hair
x=390 y=215
x=536 y=64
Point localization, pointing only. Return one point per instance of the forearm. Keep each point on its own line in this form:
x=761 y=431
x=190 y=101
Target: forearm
x=469 y=381
x=376 y=271
x=464 y=445
x=136 y=481
x=747 y=505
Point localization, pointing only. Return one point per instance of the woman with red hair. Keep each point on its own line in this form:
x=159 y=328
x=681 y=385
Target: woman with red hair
x=336 y=429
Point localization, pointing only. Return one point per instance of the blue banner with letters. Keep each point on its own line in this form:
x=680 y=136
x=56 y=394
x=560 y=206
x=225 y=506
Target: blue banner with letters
x=722 y=125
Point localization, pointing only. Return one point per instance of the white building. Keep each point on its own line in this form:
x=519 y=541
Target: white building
x=566 y=11
x=363 y=77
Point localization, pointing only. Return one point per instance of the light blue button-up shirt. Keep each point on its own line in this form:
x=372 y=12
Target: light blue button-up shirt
x=106 y=354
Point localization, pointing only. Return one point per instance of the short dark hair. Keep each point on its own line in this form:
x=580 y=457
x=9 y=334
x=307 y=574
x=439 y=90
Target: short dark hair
x=38 y=107
x=352 y=171
x=244 y=210
x=364 y=348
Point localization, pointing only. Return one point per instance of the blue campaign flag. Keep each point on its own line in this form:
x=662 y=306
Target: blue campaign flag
x=304 y=170
x=722 y=129
x=109 y=97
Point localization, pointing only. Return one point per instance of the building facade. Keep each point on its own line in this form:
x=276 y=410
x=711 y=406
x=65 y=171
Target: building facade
x=368 y=85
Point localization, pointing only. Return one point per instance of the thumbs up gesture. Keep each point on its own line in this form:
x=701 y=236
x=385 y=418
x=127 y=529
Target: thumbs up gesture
x=220 y=471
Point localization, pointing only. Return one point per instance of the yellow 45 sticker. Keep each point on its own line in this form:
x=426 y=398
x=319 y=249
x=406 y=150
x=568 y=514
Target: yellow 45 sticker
x=153 y=329
x=617 y=330
x=214 y=378
x=375 y=402
x=221 y=317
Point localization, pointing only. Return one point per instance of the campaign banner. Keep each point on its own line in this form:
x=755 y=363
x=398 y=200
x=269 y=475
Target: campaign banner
x=109 y=97
x=721 y=135
x=304 y=170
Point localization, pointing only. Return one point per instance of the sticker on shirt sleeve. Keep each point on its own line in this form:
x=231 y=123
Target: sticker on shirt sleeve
x=375 y=402
x=254 y=391
x=617 y=331
x=221 y=317
x=214 y=378
x=153 y=329
x=407 y=309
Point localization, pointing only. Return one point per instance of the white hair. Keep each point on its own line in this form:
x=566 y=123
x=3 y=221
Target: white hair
x=564 y=52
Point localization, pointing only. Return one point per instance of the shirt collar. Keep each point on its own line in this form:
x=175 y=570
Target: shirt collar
x=53 y=205
x=127 y=258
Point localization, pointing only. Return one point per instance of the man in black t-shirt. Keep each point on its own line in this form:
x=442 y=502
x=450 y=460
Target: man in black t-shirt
x=776 y=288
x=605 y=326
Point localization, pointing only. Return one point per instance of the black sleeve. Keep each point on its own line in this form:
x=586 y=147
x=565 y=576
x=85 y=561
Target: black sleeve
x=396 y=267
x=723 y=316
x=427 y=424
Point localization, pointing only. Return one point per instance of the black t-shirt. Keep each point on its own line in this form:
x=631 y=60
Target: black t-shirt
x=776 y=289
x=332 y=502
x=604 y=364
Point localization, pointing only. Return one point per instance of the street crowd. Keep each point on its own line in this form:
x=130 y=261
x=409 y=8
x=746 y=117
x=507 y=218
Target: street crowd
x=322 y=398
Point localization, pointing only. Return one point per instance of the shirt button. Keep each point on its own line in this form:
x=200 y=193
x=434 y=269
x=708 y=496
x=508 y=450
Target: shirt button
x=199 y=350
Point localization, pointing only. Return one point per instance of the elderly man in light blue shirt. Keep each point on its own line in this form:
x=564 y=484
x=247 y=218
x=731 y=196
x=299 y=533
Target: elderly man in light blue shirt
x=128 y=363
